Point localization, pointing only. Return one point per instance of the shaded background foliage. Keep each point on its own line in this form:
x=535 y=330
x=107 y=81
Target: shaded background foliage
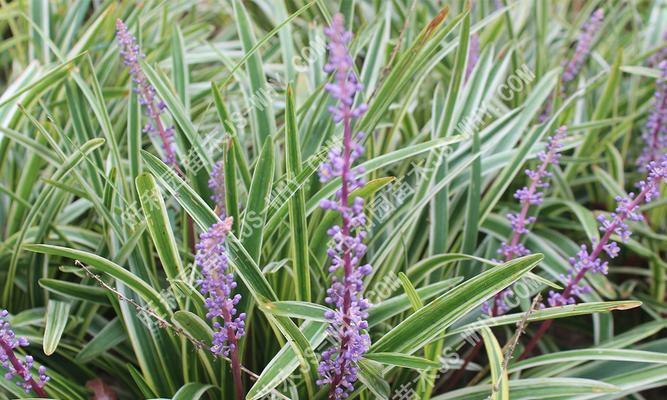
x=243 y=83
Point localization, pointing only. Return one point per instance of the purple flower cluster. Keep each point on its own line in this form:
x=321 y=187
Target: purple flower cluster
x=218 y=283
x=15 y=367
x=660 y=55
x=348 y=320
x=341 y=64
x=131 y=54
x=655 y=134
x=217 y=184
x=613 y=224
x=530 y=195
x=572 y=67
x=473 y=55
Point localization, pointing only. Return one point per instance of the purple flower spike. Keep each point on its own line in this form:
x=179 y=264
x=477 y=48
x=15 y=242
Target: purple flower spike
x=573 y=66
x=527 y=196
x=348 y=320
x=15 y=367
x=147 y=97
x=217 y=184
x=218 y=283
x=473 y=55
x=660 y=55
x=614 y=224
x=655 y=134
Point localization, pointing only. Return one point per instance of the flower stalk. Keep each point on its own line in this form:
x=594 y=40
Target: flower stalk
x=660 y=55
x=131 y=54
x=15 y=367
x=217 y=184
x=217 y=283
x=614 y=224
x=473 y=55
x=572 y=67
x=348 y=320
x=655 y=134
x=527 y=196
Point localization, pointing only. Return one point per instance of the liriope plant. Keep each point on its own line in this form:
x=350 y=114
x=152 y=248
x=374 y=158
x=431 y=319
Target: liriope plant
x=192 y=196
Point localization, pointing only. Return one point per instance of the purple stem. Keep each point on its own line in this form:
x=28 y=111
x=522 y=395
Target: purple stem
x=9 y=351
x=234 y=355
x=347 y=264
x=154 y=107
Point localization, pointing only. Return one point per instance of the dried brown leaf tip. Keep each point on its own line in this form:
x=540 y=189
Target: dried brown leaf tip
x=435 y=23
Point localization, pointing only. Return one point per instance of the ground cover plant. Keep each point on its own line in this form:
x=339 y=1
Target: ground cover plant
x=253 y=199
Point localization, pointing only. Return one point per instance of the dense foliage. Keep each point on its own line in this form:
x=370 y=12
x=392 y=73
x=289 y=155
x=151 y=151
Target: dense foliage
x=268 y=199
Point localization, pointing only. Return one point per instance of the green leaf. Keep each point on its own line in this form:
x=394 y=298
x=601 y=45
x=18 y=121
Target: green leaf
x=534 y=103
x=601 y=110
x=31 y=144
x=180 y=67
x=608 y=182
x=75 y=290
x=95 y=99
x=313 y=202
x=204 y=217
x=410 y=291
x=254 y=217
x=549 y=313
x=159 y=226
x=260 y=96
x=57 y=313
x=456 y=81
x=499 y=380
x=539 y=388
x=297 y=309
x=108 y=338
x=285 y=362
x=150 y=295
x=424 y=325
x=240 y=260
x=403 y=361
x=194 y=325
x=40 y=204
x=192 y=391
x=388 y=308
x=180 y=115
x=635 y=380
x=370 y=375
x=141 y=382
x=421 y=270
x=286 y=41
x=40 y=16
x=595 y=354
x=639 y=70
x=297 y=203
x=584 y=215
x=231 y=188
x=195 y=206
